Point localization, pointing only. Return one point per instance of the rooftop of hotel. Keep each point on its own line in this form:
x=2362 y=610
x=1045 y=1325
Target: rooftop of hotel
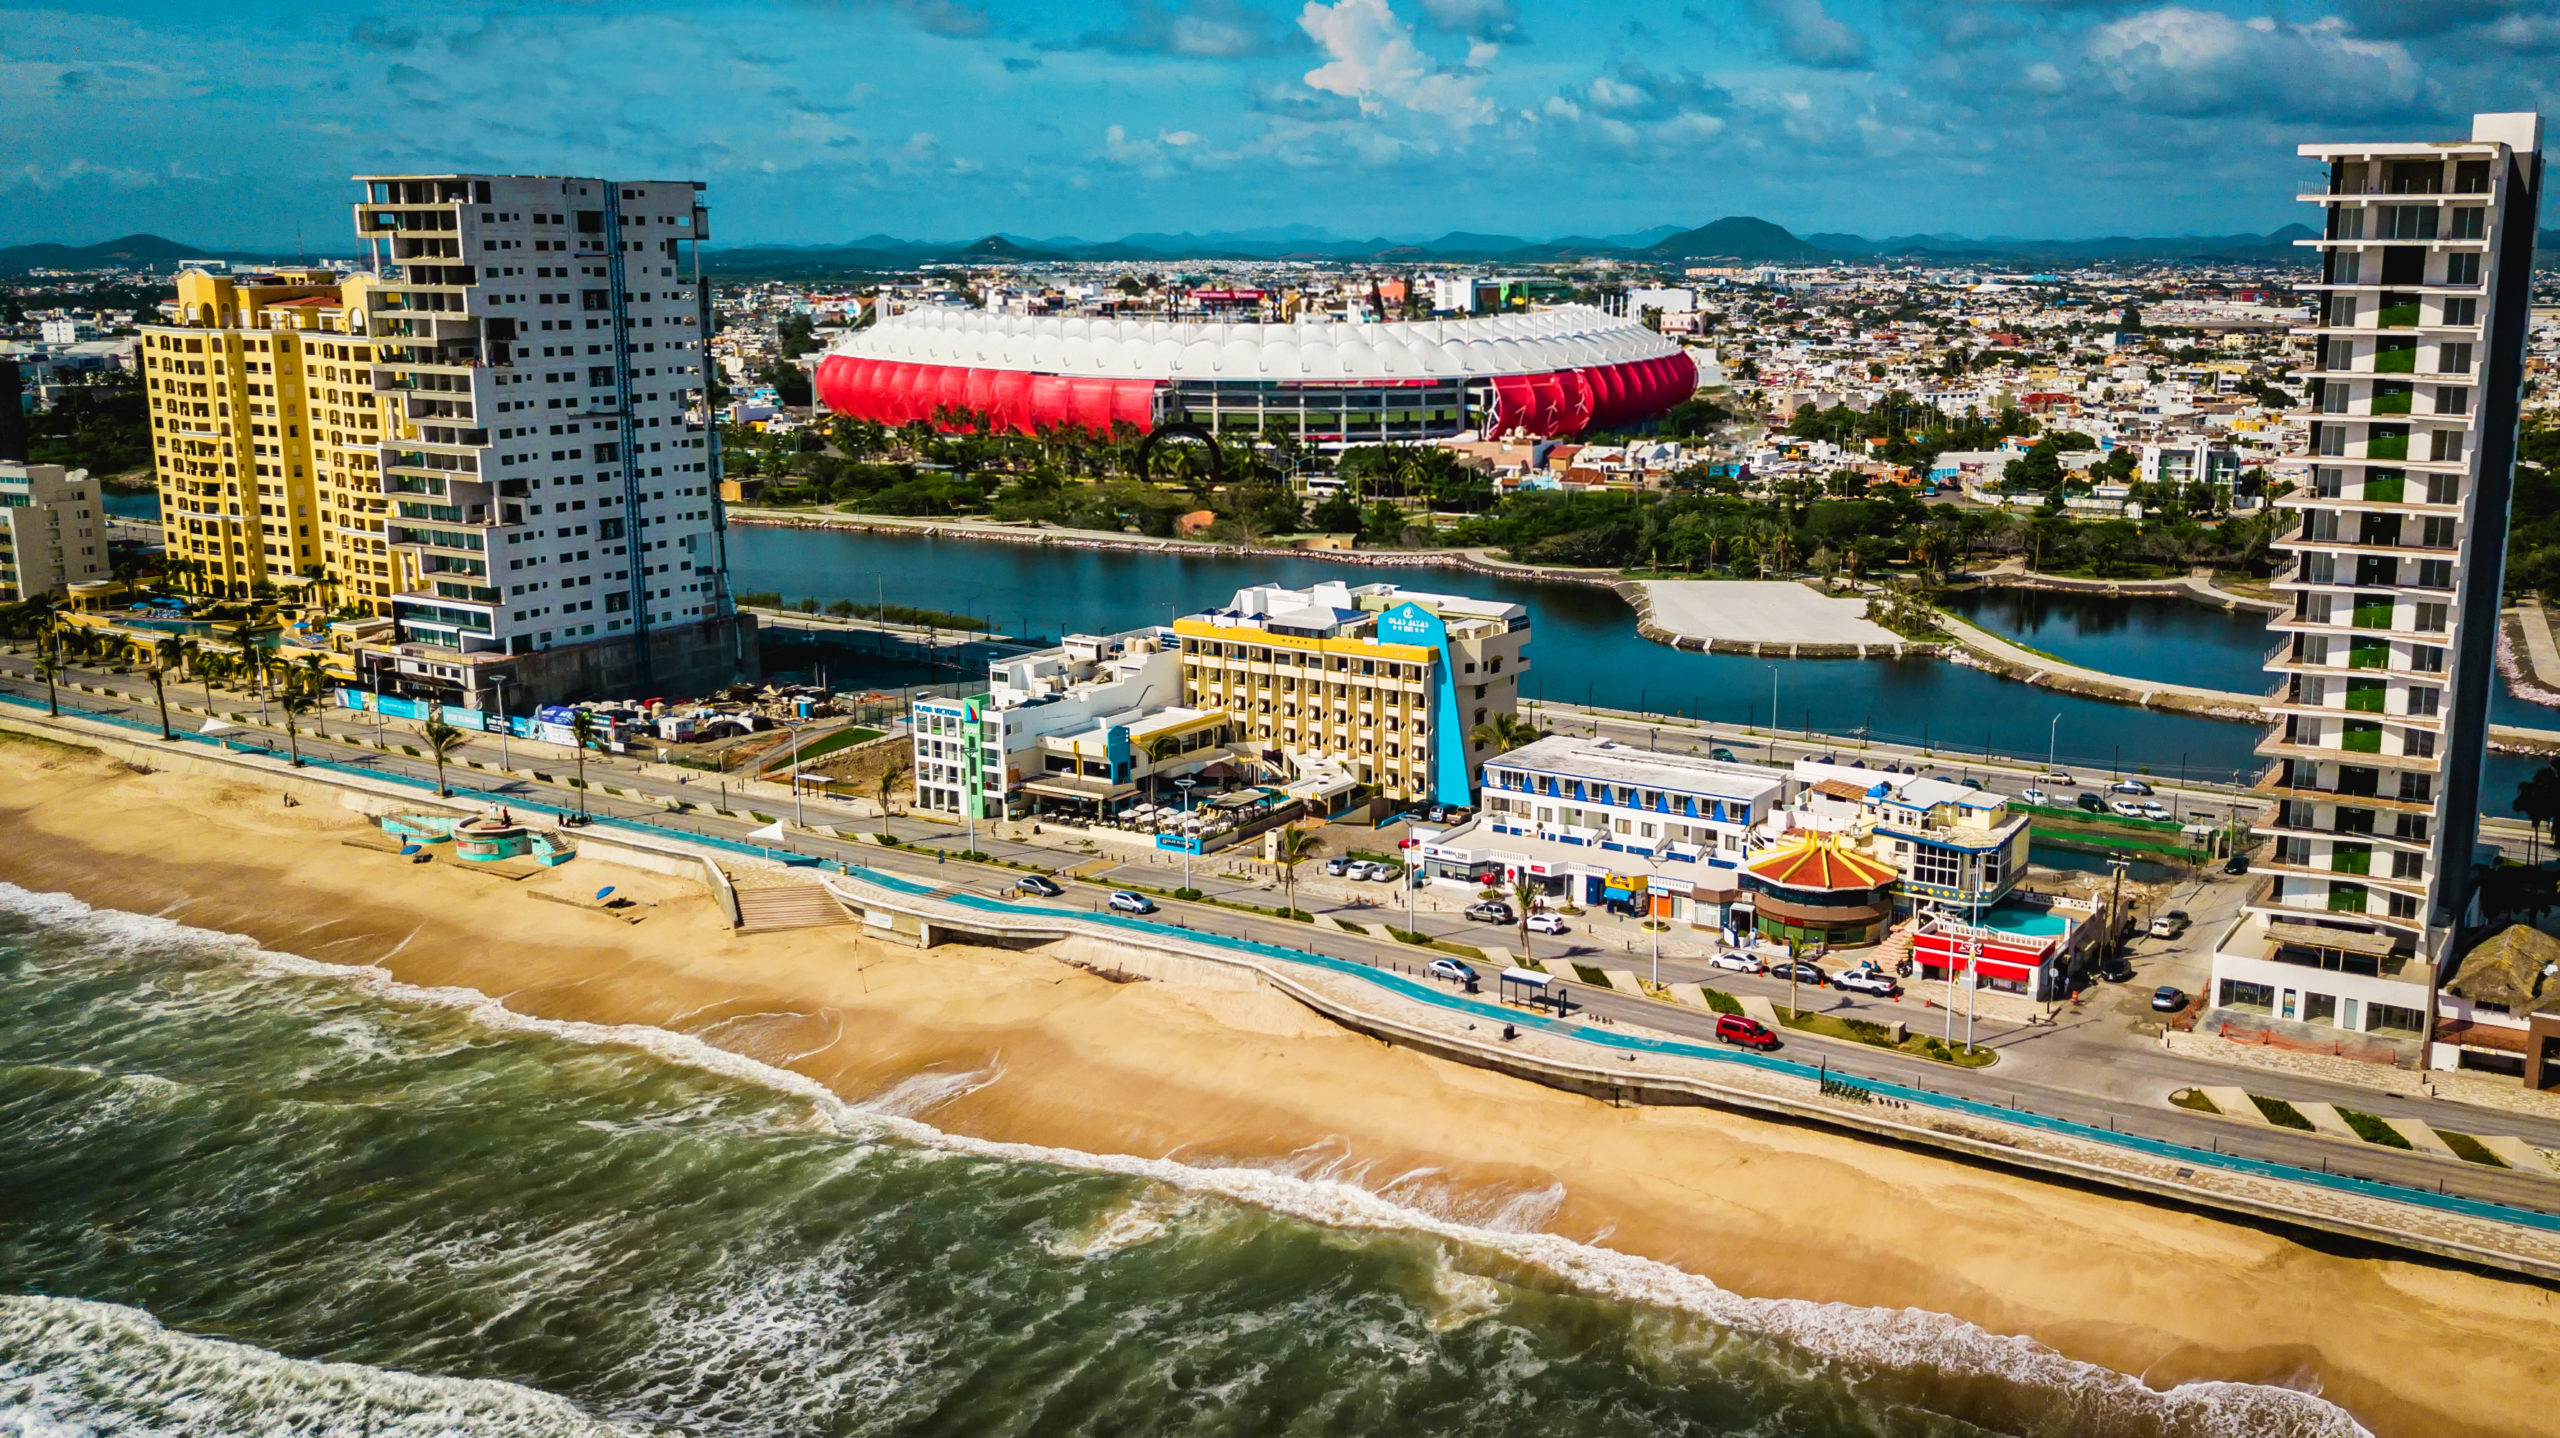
x=1618 y=764
x=1334 y=609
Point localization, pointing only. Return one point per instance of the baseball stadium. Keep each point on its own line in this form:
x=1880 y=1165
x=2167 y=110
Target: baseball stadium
x=1544 y=373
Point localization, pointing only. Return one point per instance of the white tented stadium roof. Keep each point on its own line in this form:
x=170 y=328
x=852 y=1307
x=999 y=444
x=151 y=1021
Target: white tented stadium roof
x=1537 y=342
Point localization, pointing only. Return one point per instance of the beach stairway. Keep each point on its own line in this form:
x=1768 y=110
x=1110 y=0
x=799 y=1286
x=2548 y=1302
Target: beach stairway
x=766 y=909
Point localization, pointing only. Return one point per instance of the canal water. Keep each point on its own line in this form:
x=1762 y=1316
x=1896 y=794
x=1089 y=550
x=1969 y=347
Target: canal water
x=1584 y=648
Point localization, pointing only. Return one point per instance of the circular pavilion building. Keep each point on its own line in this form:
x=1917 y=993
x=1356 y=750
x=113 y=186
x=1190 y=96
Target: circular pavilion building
x=1811 y=889
x=1546 y=373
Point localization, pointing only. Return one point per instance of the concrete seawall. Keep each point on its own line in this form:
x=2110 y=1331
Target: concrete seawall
x=1619 y=1066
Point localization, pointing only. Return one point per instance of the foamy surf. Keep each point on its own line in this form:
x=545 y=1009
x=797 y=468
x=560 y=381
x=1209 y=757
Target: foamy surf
x=76 y=1369
x=1893 y=1347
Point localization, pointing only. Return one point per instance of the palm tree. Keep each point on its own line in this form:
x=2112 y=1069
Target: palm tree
x=49 y=669
x=164 y=656
x=582 y=732
x=315 y=677
x=1159 y=749
x=1503 y=733
x=1296 y=847
x=890 y=774
x=1526 y=894
x=297 y=702
x=2538 y=800
x=443 y=740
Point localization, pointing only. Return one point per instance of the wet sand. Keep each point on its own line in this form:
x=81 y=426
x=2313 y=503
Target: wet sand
x=1034 y=1051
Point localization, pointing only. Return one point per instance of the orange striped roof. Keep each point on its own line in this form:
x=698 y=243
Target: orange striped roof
x=1816 y=861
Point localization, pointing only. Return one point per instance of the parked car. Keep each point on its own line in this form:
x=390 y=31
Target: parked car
x=1738 y=961
x=2035 y=796
x=2089 y=803
x=1129 y=903
x=1356 y=870
x=1382 y=872
x=2155 y=810
x=1868 y=981
x=1452 y=970
x=2130 y=786
x=1045 y=888
x=1750 y=1033
x=2169 y=925
x=1801 y=972
x=2125 y=808
x=1491 y=912
x=2168 y=998
x=2236 y=864
x=1336 y=867
x=1546 y=924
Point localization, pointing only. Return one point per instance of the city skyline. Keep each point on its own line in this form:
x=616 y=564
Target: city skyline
x=1540 y=118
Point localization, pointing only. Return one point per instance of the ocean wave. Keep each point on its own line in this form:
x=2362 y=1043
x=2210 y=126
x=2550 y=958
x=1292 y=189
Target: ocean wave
x=2049 y=1392
x=71 y=1368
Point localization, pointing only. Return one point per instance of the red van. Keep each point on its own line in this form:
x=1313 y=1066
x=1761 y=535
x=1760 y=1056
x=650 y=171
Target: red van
x=1750 y=1033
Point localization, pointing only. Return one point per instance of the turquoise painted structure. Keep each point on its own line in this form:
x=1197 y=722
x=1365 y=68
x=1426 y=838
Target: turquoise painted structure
x=1410 y=623
x=481 y=838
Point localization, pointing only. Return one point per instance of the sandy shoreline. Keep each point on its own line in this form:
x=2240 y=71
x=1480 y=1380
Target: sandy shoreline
x=1067 y=1059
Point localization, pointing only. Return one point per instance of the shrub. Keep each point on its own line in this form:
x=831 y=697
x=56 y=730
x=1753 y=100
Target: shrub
x=2280 y=1113
x=2469 y=1149
x=1722 y=1002
x=2372 y=1129
x=1188 y=896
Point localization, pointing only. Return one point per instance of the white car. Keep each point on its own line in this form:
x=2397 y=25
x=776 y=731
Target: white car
x=2035 y=796
x=1545 y=924
x=1129 y=903
x=1738 y=961
x=2156 y=810
x=2126 y=808
x=1355 y=870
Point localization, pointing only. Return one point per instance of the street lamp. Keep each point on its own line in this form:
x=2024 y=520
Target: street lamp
x=501 y=681
x=797 y=816
x=2052 y=735
x=1189 y=843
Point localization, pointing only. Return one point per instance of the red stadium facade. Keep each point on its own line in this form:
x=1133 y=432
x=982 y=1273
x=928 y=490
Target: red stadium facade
x=1549 y=373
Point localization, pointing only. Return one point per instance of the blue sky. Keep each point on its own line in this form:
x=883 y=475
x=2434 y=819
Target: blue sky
x=234 y=123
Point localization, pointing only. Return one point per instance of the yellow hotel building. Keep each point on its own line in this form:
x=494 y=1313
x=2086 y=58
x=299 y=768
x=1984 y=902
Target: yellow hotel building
x=265 y=425
x=1385 y=684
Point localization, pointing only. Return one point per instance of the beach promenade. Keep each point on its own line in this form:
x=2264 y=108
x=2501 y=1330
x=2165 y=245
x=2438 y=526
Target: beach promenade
x=1629 y=1029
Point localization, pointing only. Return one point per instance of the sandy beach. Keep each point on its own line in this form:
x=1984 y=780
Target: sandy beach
x=1065 y=1058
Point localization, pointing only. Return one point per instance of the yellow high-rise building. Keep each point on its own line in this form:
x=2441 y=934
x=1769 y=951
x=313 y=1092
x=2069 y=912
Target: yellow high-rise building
x=265 y=428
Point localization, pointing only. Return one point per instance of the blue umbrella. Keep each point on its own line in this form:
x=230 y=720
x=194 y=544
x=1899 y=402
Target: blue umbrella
x=408 y=849
x=607 y=889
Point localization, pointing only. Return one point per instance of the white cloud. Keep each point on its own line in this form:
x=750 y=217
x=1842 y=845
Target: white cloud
x=1811 y=36
x=1375 y=61
x=2178 y=61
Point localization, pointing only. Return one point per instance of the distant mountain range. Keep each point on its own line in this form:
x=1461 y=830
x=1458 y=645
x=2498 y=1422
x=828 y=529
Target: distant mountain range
x=128 y=251
x=1737 y=239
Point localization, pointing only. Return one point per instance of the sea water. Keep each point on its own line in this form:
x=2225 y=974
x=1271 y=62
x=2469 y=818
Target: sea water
x=246 y=1193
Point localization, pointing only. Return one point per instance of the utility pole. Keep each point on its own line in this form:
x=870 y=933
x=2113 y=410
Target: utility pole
x=1188 y=842
x=501 y=681
x=2115 y=910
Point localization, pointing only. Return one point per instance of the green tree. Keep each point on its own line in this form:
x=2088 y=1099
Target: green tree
x=1296 y=846
x=582 y=732
x=443 y=741
x=298 y=701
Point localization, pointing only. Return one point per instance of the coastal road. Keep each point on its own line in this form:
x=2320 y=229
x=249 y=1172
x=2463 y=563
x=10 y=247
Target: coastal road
x=2090 y=1068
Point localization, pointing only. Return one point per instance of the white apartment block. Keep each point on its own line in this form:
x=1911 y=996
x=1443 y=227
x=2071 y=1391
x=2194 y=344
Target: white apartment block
x=542 y=338
x=2384 y=661
x=55 y=534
